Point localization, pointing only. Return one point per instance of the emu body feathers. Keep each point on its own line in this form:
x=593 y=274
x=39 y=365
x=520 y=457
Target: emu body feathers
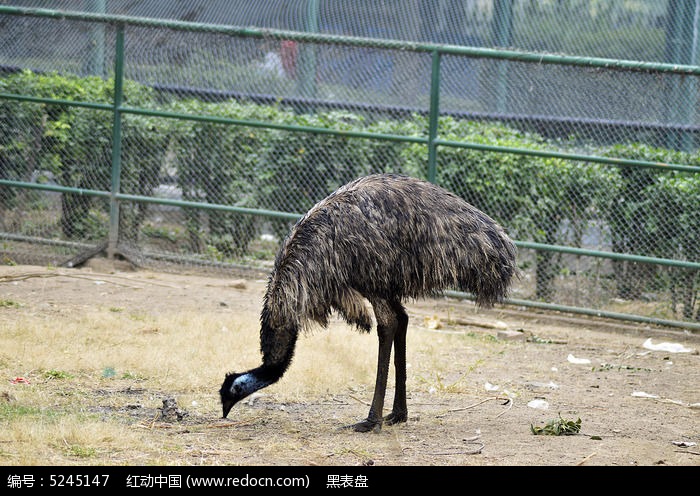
x=382 y=239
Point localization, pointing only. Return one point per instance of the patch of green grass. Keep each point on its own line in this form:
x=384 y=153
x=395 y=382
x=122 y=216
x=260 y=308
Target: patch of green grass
x=132 y=376
x=13 y=411
x=558 y=427
x=9 y=304
x=139 y=317
x=81 y=451
x=109 y=373
x=57 y=374
x=482 y=337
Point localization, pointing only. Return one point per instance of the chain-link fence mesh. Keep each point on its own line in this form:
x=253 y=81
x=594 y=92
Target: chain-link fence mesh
x=618 y=29
x=563 y=154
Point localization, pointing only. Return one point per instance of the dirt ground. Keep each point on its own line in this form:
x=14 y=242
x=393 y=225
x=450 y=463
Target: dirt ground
x=479 y=381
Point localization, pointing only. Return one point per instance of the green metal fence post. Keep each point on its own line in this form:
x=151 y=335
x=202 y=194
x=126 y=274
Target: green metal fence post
x=307 y=62
x=682 y=48
x=116 y=143
x=433 y=117
x=503 y=37
x=96 y=60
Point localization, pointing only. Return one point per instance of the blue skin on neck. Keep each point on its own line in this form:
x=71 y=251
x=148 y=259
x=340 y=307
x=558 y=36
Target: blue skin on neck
x=248 y=383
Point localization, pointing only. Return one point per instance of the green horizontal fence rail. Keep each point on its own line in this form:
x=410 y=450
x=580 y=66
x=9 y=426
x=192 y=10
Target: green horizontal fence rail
x=432 y=141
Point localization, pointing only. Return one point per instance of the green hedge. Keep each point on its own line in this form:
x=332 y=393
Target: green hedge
x=646 y=211
x=74 y=145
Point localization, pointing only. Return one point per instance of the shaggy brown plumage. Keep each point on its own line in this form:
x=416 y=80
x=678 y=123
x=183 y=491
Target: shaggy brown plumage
x=382 y=239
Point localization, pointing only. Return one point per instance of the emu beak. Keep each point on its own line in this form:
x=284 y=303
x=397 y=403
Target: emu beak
x=227 y=405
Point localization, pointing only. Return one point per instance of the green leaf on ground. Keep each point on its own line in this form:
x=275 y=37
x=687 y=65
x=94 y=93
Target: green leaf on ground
x=558 y=427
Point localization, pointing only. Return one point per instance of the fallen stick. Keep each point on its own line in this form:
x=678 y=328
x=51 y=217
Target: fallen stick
x=586 y=458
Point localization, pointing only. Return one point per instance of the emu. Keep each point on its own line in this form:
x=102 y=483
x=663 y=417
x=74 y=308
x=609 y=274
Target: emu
x=382 y=239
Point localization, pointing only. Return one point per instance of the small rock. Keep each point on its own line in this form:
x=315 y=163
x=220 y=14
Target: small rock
x=170 y=410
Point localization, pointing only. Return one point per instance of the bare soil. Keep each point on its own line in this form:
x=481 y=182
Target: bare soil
x=479 y=382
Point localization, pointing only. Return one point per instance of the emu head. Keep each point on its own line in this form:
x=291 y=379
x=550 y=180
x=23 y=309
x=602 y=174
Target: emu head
x=238 y=386
x=232 y=391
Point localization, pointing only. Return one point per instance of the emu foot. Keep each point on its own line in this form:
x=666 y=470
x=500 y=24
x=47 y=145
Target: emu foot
x=396 y=418
x=366 y=425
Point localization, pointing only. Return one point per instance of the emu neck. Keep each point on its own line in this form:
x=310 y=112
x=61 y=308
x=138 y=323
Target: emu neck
x=253 y=380
x=277 y=347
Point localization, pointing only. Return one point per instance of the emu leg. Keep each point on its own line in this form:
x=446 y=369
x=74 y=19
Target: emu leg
x=386 y=330
x=399 y=412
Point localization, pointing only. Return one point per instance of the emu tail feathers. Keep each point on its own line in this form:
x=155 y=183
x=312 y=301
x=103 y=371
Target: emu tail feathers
x=495 y=270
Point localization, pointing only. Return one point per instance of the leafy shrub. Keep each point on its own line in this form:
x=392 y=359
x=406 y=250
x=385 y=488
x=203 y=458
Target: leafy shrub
x=257 y=164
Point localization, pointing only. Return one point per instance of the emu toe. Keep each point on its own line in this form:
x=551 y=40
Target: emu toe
x=365 y=426
x=396 y=418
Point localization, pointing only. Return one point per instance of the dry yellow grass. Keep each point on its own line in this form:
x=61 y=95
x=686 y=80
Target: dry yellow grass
x=101 y=352
x=82 y=363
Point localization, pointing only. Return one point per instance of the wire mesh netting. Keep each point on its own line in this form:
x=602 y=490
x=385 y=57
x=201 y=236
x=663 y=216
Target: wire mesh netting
x=223 y=136
x=635 y=30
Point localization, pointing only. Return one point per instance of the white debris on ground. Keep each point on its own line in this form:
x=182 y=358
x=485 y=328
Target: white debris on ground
x=670 y=347
x=642 y=394
x=539 y=404
x=579 y=361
